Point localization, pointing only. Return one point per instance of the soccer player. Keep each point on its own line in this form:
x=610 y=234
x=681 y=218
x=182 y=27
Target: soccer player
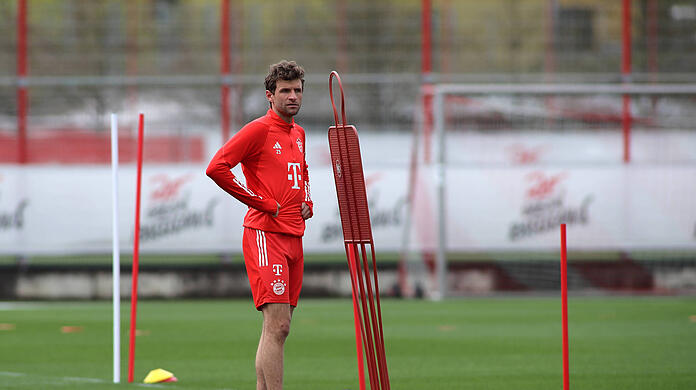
x=271 y=150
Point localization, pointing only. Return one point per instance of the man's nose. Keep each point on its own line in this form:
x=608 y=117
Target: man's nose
x=293 y=95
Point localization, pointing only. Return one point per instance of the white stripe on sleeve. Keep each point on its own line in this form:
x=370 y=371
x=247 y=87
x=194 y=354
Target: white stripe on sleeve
x=248 y=191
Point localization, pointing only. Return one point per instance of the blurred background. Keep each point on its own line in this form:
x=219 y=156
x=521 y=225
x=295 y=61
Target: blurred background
x=618 y=168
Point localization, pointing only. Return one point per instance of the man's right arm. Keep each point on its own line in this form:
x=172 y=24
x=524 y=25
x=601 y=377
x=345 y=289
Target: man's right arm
x=242 y=145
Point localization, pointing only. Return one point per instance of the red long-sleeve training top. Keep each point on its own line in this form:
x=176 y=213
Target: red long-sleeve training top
x=272 y=154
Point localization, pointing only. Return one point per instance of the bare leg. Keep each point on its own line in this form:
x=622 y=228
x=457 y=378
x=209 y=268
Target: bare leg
x=260 y=381
x=269 y=356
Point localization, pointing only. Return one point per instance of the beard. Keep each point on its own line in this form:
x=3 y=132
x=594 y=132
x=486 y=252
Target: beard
x=289 y=110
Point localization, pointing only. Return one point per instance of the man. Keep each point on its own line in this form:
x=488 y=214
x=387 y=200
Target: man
x=271 y=150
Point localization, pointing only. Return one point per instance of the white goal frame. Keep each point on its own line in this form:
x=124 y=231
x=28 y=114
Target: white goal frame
x=440 y=91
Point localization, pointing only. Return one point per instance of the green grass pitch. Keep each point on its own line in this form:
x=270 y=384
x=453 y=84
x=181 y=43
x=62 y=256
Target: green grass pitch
x=474 y=343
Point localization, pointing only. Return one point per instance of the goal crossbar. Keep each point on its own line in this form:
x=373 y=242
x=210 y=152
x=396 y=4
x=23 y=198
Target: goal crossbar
x=566 y=89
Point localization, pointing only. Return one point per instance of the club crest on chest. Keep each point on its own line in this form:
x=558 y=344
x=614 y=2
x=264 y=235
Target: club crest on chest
x=299 y=145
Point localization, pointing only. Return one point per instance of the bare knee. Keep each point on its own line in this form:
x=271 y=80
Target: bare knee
x=276 y=321
x=280 y=330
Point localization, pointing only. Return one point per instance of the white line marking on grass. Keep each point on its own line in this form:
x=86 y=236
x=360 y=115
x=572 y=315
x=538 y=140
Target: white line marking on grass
x=75 y=379
x=91 y=380
x=7 y=373
x=96 y=380
x=16 y=306
x=7 y=306
x=78 y=379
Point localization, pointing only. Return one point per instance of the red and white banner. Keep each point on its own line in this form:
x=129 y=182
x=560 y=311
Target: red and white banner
x=615 y=207
x=67 y=210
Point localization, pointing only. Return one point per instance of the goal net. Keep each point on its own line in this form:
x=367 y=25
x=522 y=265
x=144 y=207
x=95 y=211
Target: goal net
x=510 y=163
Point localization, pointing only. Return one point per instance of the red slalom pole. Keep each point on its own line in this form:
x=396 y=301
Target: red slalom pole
x=225 y=68
x=356 y=316
x=136 y=251
x=564 y=307
x=626 y=77
x=22 y=95
x=426 y=74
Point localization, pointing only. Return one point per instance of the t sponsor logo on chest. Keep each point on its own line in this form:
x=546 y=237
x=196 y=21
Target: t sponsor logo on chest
x=294 y=175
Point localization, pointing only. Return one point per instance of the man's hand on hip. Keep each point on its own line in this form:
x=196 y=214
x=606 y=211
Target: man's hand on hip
x=306 y=211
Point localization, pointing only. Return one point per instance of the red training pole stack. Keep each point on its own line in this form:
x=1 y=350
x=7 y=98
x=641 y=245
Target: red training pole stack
x=564 y=307
x=357 y=234
x=136 y=251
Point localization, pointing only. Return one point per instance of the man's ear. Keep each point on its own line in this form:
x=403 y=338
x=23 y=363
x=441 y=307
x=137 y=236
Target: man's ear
x=269 y=95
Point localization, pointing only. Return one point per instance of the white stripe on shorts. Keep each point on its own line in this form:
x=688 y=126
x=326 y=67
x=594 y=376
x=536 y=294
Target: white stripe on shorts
x=261 y=243
x=265 y=252
x=258 y=245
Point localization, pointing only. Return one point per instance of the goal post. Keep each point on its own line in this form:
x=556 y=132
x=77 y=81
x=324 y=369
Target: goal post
x=533 y=139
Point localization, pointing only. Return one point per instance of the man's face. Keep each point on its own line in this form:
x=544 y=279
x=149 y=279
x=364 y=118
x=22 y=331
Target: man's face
x=287 y=98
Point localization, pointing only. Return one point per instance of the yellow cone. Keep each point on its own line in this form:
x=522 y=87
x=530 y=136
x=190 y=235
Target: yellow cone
x=159 y=375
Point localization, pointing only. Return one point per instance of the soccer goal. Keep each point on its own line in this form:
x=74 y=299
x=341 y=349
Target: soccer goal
x=510 y=163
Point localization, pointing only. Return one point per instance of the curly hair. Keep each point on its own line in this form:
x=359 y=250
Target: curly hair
x=284 y=70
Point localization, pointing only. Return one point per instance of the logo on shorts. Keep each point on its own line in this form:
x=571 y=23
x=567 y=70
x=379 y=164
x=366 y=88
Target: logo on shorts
x=277 y=269
x=278 y=286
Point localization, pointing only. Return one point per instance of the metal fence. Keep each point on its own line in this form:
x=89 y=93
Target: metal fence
x=165 y=57
x=106 y=37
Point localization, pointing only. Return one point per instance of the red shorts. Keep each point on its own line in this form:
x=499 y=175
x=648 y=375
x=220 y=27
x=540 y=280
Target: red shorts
x=274 y=264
